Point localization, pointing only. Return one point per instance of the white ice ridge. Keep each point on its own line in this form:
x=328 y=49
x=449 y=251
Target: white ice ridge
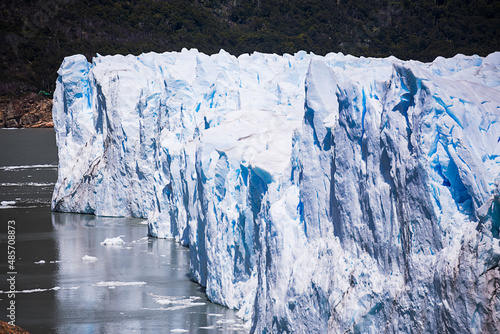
x=316 y=194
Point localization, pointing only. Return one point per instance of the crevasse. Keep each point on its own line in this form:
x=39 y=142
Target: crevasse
x=316 y=194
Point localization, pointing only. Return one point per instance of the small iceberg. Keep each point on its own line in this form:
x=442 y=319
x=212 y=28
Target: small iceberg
x=116 y=241
x=88 y=258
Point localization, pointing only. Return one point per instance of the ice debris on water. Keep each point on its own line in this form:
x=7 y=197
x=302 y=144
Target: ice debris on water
x=116 y=241
x=113 y=284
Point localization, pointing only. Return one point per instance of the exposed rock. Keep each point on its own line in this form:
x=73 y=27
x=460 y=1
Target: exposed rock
x=29 y=111
x=6 y=328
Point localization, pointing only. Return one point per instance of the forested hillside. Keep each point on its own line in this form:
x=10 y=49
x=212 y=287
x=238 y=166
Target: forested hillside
x=37 y=35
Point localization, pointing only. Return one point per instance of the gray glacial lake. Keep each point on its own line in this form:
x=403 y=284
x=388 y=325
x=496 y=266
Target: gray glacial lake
x=67 y=281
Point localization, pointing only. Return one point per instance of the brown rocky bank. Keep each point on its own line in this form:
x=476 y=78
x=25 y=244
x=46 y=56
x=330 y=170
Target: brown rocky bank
x=6 y=328
x=28 y=111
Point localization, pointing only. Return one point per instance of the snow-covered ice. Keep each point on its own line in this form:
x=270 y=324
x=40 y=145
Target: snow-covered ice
x=316 y=193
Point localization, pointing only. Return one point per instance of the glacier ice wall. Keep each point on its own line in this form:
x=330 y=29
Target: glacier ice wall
x=316 y=194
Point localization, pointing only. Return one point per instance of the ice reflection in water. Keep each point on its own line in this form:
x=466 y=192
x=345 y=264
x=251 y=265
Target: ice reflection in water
x=60 y=291
x=141 y=285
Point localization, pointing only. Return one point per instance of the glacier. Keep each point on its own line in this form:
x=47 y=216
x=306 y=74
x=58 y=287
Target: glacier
x=315 y=193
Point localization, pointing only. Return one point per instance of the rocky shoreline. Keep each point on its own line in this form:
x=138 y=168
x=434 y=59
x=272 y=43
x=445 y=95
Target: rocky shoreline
x=28 y=111
x=6 y=328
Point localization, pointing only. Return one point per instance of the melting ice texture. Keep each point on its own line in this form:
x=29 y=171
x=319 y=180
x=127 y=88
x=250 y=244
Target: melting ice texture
x=316 y=194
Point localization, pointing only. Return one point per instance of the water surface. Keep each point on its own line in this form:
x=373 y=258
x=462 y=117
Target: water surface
x=67 y=281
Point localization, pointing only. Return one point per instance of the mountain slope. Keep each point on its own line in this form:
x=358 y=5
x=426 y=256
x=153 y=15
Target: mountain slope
x=37 y=35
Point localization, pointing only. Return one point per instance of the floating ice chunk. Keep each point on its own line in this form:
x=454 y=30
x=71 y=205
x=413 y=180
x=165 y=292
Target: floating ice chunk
x=116 y=241
x=177 y=303
x=39 y=167
x=118 y=283
x=29 y=184
x=6 y=204
x=56 y=288
x=88 y=258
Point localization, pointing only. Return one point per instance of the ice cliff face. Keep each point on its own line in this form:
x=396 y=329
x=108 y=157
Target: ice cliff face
x=316 y=194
